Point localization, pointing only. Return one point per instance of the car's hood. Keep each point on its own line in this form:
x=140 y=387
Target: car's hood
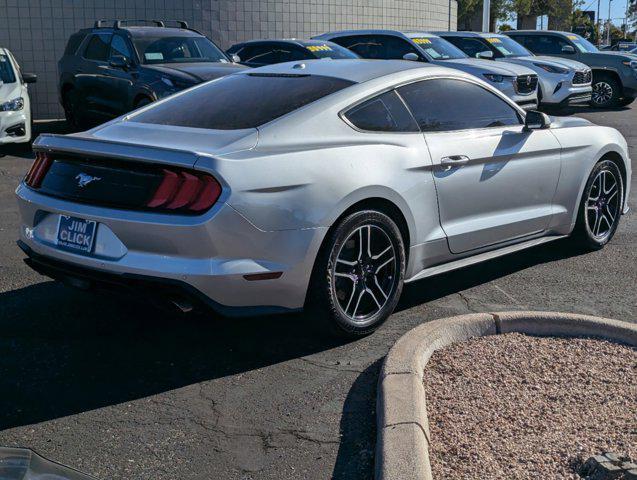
x=476 y=65
x=9 y=91
x=552 y=61
x=564 y=122
x=197 y=72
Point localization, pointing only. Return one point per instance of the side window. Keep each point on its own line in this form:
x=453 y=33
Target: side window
x=98 y=47
x=470 y=46
x=120 y=47
x=442 y=105
x=383 y=113
x=545 y=44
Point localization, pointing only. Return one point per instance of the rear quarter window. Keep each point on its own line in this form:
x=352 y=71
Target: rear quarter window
x=382 y=113
x=74 y=43
x=241 y=101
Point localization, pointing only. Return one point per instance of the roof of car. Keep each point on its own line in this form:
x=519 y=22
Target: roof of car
x=354 y=70
x=296 y=41
x=539 y=32
x=397 y=33
x=468 y=34
x=141 y=31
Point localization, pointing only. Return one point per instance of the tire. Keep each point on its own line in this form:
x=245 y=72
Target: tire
x=72 y=113
x=601 y=207
x=351 y=291
x=142 y=102
x=624 y=102
x=606 y=92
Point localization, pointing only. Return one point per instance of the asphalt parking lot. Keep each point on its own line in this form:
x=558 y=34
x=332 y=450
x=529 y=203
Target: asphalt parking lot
x=122 y=391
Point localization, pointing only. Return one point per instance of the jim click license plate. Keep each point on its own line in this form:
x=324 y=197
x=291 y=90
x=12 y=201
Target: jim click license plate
x=76 y=234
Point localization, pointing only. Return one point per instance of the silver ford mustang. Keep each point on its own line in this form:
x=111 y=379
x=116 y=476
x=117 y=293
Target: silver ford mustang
x=322 y=184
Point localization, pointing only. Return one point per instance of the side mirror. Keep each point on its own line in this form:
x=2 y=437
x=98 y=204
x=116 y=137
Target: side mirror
x=486 y=55
x=235 y=58
x=568 y=49
x=119 y=61
x=535 y=120
x=412 y=57
x=29 y=77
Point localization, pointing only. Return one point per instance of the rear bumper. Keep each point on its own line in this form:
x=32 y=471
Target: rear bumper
x=208 y=255
x=161 y=291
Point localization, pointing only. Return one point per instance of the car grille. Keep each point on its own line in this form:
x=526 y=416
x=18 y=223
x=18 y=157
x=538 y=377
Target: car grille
x=583 y=77
x=526 y=84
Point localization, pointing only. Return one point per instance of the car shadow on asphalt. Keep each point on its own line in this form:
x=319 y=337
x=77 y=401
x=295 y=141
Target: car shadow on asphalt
x=66 y=351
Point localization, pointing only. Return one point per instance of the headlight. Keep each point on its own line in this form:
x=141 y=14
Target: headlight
x=552 y=69
x=12 y=105
x=492 y=77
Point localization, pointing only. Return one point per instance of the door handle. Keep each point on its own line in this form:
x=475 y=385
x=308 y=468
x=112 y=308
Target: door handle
x=453 y=161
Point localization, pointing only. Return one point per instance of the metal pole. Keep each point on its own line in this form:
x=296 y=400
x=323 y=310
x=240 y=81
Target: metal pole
x=486 y=15
x=599 y=30
x=608 y=25
x=449 y=25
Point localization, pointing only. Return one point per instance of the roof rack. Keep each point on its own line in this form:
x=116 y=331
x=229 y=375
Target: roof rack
x=116 y=24
x=121 y=23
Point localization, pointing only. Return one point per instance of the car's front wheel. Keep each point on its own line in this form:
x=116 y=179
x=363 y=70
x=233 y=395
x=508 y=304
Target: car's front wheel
x=600 y=207
x=359 y=273
x=606 y=92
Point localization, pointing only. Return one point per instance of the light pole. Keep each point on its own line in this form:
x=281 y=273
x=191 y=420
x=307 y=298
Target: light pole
x=608 y=25
x=486 y=15
x=599 y=30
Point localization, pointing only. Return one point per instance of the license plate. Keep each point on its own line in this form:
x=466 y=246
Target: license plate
x=76 y=234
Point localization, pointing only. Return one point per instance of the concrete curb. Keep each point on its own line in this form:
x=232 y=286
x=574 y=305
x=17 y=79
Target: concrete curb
x=402 y=447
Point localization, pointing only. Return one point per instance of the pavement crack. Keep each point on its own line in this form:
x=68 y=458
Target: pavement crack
x=467 y=302
x=330 y=367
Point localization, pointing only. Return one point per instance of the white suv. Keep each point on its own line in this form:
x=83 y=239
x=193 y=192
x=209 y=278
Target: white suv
x=15 y=106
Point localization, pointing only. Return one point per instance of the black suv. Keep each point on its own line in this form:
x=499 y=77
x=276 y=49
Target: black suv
x=113 y=68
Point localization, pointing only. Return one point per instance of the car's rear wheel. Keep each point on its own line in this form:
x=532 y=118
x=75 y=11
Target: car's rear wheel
x=606 y=92
x=359 y=273
x=70 y=105
x=142 y=102
x=600 y=207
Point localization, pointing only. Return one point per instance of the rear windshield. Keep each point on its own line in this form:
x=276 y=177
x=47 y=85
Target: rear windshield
x=329 y=50
x=6 y=71
x=241 y=101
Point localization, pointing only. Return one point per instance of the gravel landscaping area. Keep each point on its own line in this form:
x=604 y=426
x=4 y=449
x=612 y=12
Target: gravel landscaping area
x=514 y=406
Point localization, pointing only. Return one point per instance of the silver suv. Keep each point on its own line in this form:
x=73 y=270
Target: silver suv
x=517 y=82
x=562 y=81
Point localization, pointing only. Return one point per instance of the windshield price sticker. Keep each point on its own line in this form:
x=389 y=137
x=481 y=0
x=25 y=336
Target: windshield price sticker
x=422 y=41
x=572 y=37
x=319 y=48
x=494 y=40
x=154 y=56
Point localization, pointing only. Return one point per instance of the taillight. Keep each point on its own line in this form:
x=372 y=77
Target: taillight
x=38 y=170
x=181 y=190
